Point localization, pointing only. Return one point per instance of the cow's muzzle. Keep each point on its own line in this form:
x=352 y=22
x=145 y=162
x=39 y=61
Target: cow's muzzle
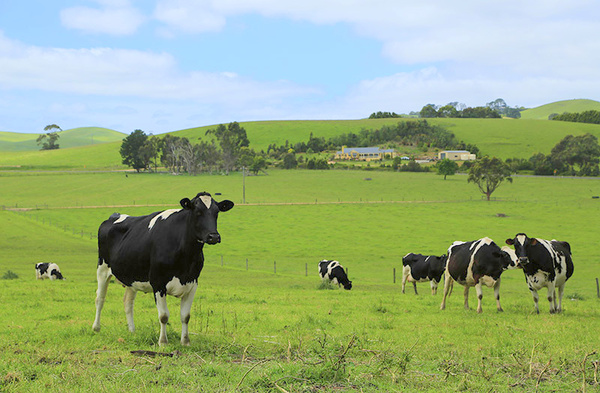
x=213 y=238
x=523 y=261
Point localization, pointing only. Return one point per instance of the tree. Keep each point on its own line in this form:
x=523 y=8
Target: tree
x=231 y=139
x=132 y=150
x=258 y=163
x=488 y=174
x=447 y=167
x=48 y=140
x=428 y=111
x=580 y=152
x=289 y=161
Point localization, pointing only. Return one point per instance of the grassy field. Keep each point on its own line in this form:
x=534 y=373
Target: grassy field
x=75 y=137
x=263 y=329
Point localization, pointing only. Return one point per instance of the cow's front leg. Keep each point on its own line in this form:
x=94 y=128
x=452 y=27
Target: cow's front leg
x=433 y=284
x=163 y=316
x=497 y=294
x=128 y=300
x=103 y=275
x=561 y=290
x=479 y=292
x=536 y=299
x=466 y=293
x=186 y=307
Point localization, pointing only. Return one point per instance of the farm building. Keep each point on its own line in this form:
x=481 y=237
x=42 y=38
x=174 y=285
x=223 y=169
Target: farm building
x=364 y=153
x=457 y=155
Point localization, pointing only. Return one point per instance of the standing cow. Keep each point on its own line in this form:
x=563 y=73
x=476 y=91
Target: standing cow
x=545 y=263
x=159 y=253
x=334 y=272
x=476 y=263
x=421 y=268
x=48 y=270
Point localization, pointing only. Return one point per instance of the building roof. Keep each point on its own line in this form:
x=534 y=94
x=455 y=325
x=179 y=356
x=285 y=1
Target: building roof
x=365 y=150
x=455 y=151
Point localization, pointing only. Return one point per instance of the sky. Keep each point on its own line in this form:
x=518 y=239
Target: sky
x=167 y=65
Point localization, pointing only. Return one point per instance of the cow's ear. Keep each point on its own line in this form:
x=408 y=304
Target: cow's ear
x=510 y=242
x=186 y=203
x=533 y=241
x=225 y=205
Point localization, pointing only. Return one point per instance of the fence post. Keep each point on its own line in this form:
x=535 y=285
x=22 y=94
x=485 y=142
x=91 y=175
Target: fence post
x=221 y=260
x=394 y=275
x=597 y=288
x=306 y=269
x=274 y=267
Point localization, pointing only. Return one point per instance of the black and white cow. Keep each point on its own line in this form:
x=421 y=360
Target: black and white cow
x=476 y=263
x=159 y=253
x=48 y=270
x=334 y=272
x=546 y=263
x=421 y=268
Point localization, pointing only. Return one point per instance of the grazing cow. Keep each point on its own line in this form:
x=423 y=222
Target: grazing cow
x=545 y=263
x=334 y=272
x=421 y=268
x=159 y=253
x=476 y=263
x=48 y=270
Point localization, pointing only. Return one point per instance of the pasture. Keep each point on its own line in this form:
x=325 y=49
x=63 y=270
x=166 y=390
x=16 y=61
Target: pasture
x=263 y=329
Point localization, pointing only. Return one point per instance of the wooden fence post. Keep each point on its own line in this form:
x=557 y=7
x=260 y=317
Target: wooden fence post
x=597 y=288
x=306 y=269
x=274 y=267
x=394 y=275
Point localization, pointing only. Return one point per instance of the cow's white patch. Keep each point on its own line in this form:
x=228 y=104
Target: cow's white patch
x=177 y=289
x=162 y=215
x=470 y=281
x=521 y=239
x=143 y=286
x=513 y=256
x=207 y=200
x=121 y=218
x=487 y=281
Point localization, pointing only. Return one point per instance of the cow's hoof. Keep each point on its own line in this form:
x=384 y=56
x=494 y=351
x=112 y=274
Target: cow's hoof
x=96 y=328
x=500 y=309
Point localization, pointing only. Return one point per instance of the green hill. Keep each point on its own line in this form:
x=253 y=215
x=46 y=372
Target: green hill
x=74 y=137
x=572 y=106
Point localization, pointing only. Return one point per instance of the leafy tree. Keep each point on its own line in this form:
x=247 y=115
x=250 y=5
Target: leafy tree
x=447 y=167
x=48 y=140
x=578 y=152
x=289 y=161
x=231 y=139
x=258 y=163
x=428 y=111
x=488 y=174
x=132 y=150
x=383 y=115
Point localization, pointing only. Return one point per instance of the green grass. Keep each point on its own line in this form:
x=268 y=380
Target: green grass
x=260 y=330
x=573 y=106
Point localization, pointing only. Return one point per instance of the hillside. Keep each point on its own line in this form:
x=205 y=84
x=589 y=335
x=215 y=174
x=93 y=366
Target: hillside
x=542 y=112
x=74 y=137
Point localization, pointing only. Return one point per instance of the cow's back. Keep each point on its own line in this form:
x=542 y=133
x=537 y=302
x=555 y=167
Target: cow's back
x=459 y=258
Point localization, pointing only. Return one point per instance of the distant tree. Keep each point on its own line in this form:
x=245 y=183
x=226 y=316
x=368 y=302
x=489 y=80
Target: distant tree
x=289 y=161
x=428 y=111
x=447 y=111
x=231 y=139
x=488 y=174
x=48 y=140
x=581 y=153
x=447 y=167
x=383 y=115
x=258 y=164
x=132 y=150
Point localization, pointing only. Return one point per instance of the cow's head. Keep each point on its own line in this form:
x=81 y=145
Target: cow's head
x=205 y=211
x=521 y=243
x=511 y=261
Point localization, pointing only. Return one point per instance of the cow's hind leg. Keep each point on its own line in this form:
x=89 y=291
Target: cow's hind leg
x=551 y=297
x=186 y=307
x=447 y=289
x=103 y=274
x=466 y=293
x=497 y=294
x=163 y=316
x=128 y=300
x=561 y=289
x=415 y=287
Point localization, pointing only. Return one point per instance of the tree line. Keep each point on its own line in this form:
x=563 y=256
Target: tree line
x=592 y=117
x=492 y=110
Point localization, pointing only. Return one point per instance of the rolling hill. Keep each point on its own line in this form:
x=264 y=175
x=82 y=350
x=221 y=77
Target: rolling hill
x=572 y=106
x=74 y=137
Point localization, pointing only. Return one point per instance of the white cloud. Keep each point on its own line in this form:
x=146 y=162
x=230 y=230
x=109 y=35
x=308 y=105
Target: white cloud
x=115 y=17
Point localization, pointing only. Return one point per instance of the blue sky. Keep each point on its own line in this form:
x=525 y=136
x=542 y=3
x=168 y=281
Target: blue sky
x=166 y=65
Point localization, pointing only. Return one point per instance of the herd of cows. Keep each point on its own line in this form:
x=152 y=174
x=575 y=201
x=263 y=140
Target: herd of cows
x=481 y=262
x=162 y=253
